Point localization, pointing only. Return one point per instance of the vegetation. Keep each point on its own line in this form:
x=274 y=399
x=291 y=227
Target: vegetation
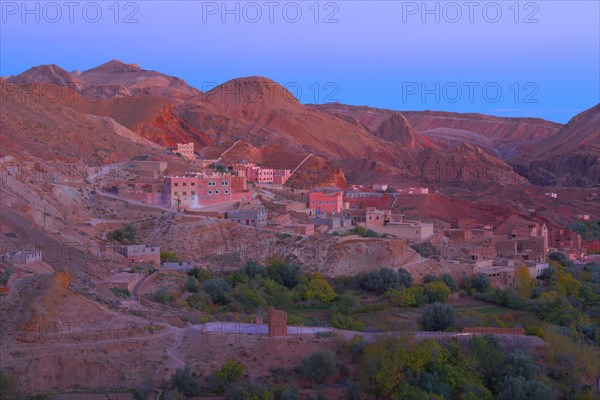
x=384 y=279
x=168 y=256
x=426 y=250
x=475 y=369
x=162 y=296
x=230 y=373
x=5 y=276
x=589 y=230
x=185 y=383
x=127 y=235
x=438 y=317
x=121 y=292
x=319 y=366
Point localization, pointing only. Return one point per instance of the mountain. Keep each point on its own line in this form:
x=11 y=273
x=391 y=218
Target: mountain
x=46 y=74
x=570 y=158
x=429 y=148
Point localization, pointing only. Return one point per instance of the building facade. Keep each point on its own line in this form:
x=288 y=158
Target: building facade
x=326 y=203
x=196 y=190
x=256 y=217
x=186 y=150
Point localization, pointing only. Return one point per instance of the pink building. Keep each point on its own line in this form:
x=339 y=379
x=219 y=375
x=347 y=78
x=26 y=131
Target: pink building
x=259 y=175
x=196 y=190
x=186 y=150
x=326 y=203
x=262 y=175
x=280 y=176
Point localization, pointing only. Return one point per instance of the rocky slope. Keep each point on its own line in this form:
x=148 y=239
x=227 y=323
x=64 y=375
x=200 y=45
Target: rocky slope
x=570 y=158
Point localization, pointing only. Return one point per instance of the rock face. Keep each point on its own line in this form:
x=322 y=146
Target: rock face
x=570 y=158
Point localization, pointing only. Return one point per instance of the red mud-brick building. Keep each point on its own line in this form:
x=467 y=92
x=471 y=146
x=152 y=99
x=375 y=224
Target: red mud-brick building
x=326 y=202
x=196 y=190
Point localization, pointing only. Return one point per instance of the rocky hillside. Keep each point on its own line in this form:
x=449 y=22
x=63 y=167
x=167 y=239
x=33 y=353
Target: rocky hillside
x=570 y=158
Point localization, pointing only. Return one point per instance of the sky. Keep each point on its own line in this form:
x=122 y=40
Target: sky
x=506 y=58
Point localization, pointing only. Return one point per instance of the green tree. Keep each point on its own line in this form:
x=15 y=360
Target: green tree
x=450 y=282
x=283 y=273
x=318 y=289
x=252 y=269
x=183 y=381
x=438 y=317
x=436 y=291
x=480 y=282
x=519 y=388
x=218 y=289
x=524 y=283
x=247 y=298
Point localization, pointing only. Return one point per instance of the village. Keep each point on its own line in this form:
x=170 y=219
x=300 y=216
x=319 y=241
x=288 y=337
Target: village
x=258 y=198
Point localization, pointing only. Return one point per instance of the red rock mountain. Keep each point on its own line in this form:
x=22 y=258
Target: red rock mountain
x=367 y=143
x=570 y=158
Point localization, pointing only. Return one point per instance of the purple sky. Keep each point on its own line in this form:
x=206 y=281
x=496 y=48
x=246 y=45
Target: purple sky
x=519 y=58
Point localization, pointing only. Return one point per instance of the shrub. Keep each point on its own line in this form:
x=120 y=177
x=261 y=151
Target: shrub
x=284 y=274
x=352 y=390
x=198 y=301
x=248 y=299
x=480 y=282
x=384 y=279
x=162 y=296
x=168 y=256
x=5 y=275
x=218 y=289
x=436 y=291
x=438 y=317
x=200 y=274
x=519 y=388
x=450 y=282
x=191 y=285
x=248 y=391
x=120 y=292
x=139 y=394
x=317 y=288
x=319 y=366
x=342 y=321
x=183 y=381
x=357 y=347
x=407 y=297
x=230 y=373
x=252 y=269
x=289 y=394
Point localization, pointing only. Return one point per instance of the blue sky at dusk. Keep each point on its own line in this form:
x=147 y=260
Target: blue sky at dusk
x=506 y=58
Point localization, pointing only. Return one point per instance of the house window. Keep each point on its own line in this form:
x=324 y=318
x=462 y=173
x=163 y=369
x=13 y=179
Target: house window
x=184 y=193
x=193 y=193
x=217 y=191
x=320 y=202
x=224 y=183
x=327 y=202
x=210 y=192
x=176 y=184
x=212 y=183
x=333 y=202
x=184 y=184
x=193 y=183
x=176 y=193
x=226 y=191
